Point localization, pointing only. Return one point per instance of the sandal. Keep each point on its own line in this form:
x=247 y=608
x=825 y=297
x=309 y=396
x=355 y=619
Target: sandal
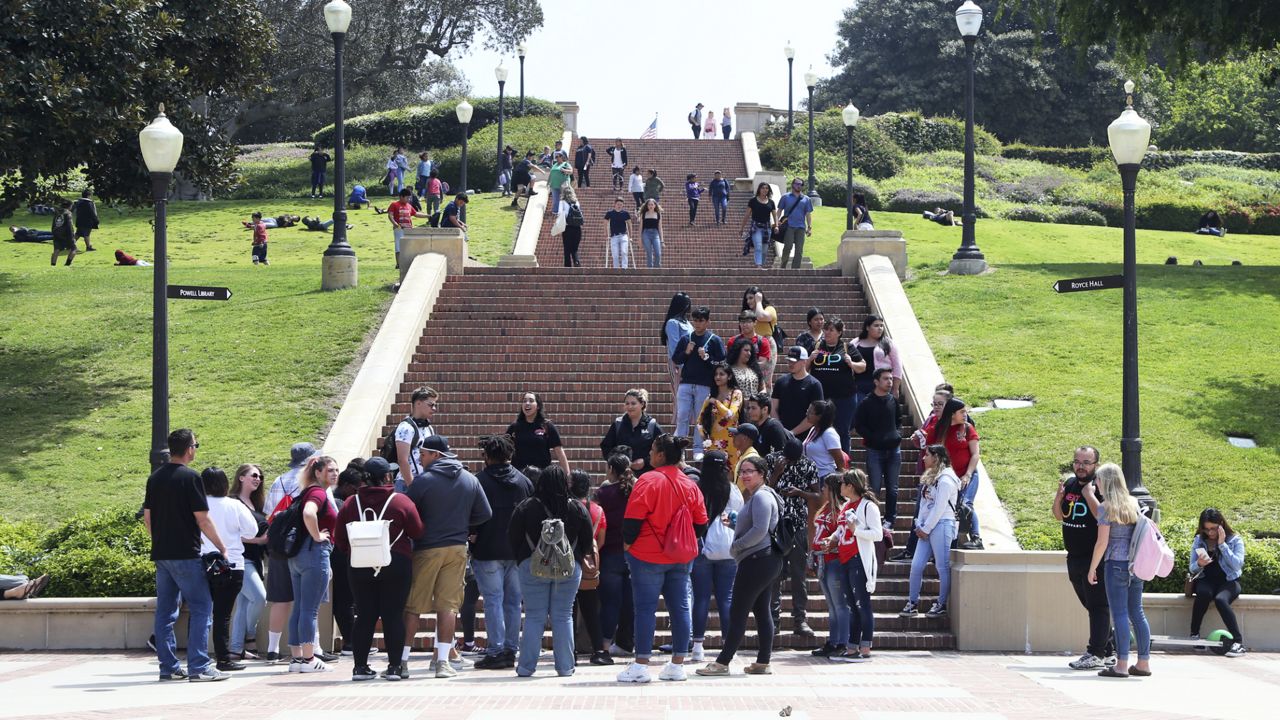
x=1139 y=673
x=1112 y=673
x=37 y=587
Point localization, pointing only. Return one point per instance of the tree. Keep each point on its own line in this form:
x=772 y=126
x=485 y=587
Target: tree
x=80 y=79
x=902 y=55
x=390 y=49
x=1224 y=104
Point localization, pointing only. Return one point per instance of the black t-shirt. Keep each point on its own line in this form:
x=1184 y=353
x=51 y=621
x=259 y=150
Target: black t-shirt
x=1079 y=526
x=174 y=493
x=533 y=443
x=761 y=212
x=864 y=381
x=521 y=172
x=829 y=366
x=450 y=211
x=773 y=436
x=794 y=398
x=618 y=220
x=318 y=161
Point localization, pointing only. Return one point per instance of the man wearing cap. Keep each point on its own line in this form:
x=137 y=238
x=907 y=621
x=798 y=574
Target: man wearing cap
x=797 y=213
x=794 y=393
x=745 y=436
x=795 y=477
x=452 y=505
x=773 y=436
x=279 y=584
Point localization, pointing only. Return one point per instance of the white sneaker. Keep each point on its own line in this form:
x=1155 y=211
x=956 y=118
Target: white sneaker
x=672 y=672
x=616 y=651
x=460 y=663
x=635 y=673
x=315 y=666
x=698 y=655
x=1087 y=661
x=295 y=665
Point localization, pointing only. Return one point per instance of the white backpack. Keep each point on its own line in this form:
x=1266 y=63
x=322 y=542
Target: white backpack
x=370 y=540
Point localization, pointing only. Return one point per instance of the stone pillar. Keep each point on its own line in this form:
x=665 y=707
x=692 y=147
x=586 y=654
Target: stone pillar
x=338 y=272
x=570 y=112
x=855 y=244
x=450 y=242
x=753 y=117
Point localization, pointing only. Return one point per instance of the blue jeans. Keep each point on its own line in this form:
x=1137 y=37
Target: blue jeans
x=499 y=583
x=178 y=580
x=652 y=242
x=542 y=598
x=671 y=581
x=883 y=467
x=833 y=589
x=862 y=620
x=844 y=419
x=689 y=400
x=615 y=593
x=710 y=576
x=937 y=547
x=760 y=234
x=721 y=208
x=309 y=572
x=555 y=200
x=244 y=621
x=967 y=495
x=317 y=181
x=1124 y=594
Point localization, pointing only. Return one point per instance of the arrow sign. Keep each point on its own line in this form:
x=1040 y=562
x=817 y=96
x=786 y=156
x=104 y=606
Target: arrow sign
x=196 y=292
x=1105 y=282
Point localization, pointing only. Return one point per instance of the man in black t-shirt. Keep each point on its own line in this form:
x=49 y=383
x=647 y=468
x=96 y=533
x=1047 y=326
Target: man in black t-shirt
x=176 y=512
x=451 y=217
x=794 y=393
x=1073 y=508
x=319 y=162
x=773 y=436
x=619 y=222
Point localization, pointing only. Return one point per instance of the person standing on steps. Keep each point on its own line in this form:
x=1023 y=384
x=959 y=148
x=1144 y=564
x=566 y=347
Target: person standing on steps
x=675 y=326
x=653 y=186
x=619 y=223
x=410 y=434
x=876 y=422
x=536 y=439
x=560 y=177
x=726 y=123
x=935 y=524
x=773 y=436
x=64 y=239
x=961 y=440
x=617 y=617
x=635 y=185
x=86 y=218
x=570 y=213
x=697 y=355
x=795 y=478
x=693 y=193
x=651 y=231
x=583 y=159
x=859 y=529
x=492 y=560
x=714 y=568
x=766 y=322
x=319 y=165
x=761 y=219
x=834 y=364
x=1079 y=535
x=633 y=429
x=709 y=127
x=812 y=335
x=695 y=121
x=797 y=221
x=617 y=153
x=588 y=601
x=795 y=392
x=879 y=352
x=719 y=189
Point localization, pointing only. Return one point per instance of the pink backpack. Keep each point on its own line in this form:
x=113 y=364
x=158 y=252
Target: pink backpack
x=1149 y=554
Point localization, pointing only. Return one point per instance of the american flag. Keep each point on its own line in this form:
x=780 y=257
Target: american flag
x=651 y=132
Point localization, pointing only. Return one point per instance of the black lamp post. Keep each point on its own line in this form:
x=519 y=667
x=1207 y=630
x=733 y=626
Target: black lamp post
x=810 y=80
x=464 y=111
x=968 y=259
x=521 y=51
x=1128 y=136
x=850 y=116
x=339 y=262
x=501 y=74
x=790 y=52
x=161 y=146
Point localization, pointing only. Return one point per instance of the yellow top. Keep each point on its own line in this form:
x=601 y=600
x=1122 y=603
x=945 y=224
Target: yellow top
x=764 y=328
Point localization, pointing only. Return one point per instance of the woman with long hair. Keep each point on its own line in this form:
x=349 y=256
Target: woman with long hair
x=877 y=351
x=234 y=523
x=572 y=235
x=536 y=439
x=715 y=567
x=616 y=614
x=935 y=526
x=759 y=563
x=746 y=368
x=675 y=326
x=1117 y=521
x=755 y=302
x=720 y=413
x=822 y=443
x=858 y=530
x=961 y=440
x=248 y=489
x=588 y=600
x=760 y=221
x=1217 y=559
x=545 y=597
x=651 y=232
x=830 y=575
x=834 y=364
x=309 y=570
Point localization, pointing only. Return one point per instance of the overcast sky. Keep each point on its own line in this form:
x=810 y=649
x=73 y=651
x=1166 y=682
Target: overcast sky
x=623 y=60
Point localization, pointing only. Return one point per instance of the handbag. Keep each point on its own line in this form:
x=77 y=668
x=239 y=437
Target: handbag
x=558 y=226
x=591 y=561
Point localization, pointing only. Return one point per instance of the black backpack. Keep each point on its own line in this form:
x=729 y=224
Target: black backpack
x=574 y=216
x=285 y=532
x=388 y=450
x=788 y=531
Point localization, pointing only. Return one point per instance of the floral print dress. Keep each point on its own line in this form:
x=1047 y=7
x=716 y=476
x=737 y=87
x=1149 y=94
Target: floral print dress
x=723 y=417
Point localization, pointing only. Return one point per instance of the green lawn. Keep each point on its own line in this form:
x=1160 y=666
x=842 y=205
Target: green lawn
x=252 y=375
x=1208 y=342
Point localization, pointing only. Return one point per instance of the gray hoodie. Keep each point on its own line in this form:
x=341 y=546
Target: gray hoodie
x=756 y=520
x=450 y=502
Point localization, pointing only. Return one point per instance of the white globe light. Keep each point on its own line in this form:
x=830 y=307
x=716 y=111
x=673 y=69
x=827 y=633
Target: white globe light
x=969 y=18
x=850 y=115
x=522 y=50
x=789 y=51
x=337 y=15
x=810 y=79
x=464 y=111
x=161 y=144
x=500 y=73
x=1129 y=136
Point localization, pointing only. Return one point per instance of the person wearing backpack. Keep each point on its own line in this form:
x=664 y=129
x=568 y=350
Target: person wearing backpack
x=758 y=550
x=409 y=435
x=309 y=569
x=569 y=215
x=935 y=525
x=379 y=592
x=715 y=567
x=495 y=567
x=695 y=121
x=549 y=536
x=279 y=586
x=1217 y=560
x=1118 y=518
x=664 y=518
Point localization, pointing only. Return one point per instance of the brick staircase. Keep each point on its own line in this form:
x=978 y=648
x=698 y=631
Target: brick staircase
x=582 y=336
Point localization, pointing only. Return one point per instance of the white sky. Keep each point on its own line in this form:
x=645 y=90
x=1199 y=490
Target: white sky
x=624 y=60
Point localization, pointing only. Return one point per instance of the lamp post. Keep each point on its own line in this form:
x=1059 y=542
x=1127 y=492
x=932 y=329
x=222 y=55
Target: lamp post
x=464 y=111
x=339 y=268
x=1128 y=136
x=968 y=259
x=161 y=146
x=790 y=52
x=521 y=51
x=810 y=80
x=850 y=116
x=501 y=74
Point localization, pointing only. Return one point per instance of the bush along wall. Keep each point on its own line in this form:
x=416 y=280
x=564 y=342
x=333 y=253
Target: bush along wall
x=915 y=133
x=528 y=133
x=427 y=127
x=102 y=554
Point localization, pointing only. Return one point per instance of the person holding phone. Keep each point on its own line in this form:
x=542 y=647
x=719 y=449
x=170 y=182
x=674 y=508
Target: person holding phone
x=1217 y=559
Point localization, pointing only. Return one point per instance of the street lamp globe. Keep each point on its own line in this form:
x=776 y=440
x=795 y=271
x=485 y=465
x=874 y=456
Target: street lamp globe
x=1129 y=135
x=464 y=111
x=522 y=50
x=161 y=144
x=969 y=19
x=811 y=79
x=850 y=115
x=789 y=51
x=337 y=15
x=500 y=73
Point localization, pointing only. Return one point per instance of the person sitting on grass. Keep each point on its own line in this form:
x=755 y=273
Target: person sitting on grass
x=942 y=217
x=26 y=234
x=19 y=587
x=1211 y=224
x=358 y=198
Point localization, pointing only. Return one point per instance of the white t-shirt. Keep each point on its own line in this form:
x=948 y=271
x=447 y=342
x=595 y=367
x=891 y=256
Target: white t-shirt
x=404 y=434
x=617 y=157
x=818 y=449
x=637 y=183
x=234 y=522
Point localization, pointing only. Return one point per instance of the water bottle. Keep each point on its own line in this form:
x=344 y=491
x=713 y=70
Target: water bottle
x=733 y=518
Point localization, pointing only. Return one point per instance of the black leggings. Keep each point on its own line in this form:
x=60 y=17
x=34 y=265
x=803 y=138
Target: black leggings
x=382 y=596
x=752 y=594
x=572 y=238
x=224 y=600
x=588 y=603
x=470 y=594
x=1221 y=593
x=344 y=607
x=693 y=209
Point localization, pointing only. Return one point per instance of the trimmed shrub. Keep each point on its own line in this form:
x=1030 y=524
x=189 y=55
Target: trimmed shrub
x=875 y=155
x=832 y=191
x=427 y=127
x=1164 y=159
x=1028 y=213
x=914 y=201
x=102 y=554
x=97 y=572
x=915 y=133
x=1267 y=220
x=1072 y=215
x=1079 y=158
x=529 y=133
x=20 y=547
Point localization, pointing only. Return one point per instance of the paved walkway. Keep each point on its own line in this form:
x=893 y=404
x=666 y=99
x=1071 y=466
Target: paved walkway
x=895 y=686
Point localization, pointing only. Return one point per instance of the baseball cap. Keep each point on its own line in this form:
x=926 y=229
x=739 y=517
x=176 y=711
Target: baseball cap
x=378 y=467
x=438 y=444
x=299 y=453
x=715 y=457
x=747 y=429
x=797 y=353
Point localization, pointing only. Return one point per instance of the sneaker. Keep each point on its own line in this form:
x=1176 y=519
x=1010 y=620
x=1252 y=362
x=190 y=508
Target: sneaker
x=295 y=665
x=665 y=648
x=713 y=670
x=1110 y=661
x=178 y=674
x=314 y=665
x=470 y=648
x=491 y=662
x=672 y=672
x=615 y=650
x=274 y=658
x=209 y=675
x=803 y=629
x=938 y=610
x=851 y=656
x=396 y=672
x=826 y=650
x=230 y=666
x=900 y=556
x=246 y=654
x=1087 y=661
x=599 y=658
x=974 y=544
x=1237 y=650
x=758 y=669
x=635 y=673
x=460 y=663
x=328 y=657
x=363 y=673
x=347 y=651
x=909 y=610
x=698 y=654
x=445 y=670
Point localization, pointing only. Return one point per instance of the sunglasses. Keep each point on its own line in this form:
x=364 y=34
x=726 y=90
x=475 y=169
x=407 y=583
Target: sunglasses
x=254 y=475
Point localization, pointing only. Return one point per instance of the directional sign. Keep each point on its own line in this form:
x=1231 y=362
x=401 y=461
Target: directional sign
x=1106 y=282
x=196 y=292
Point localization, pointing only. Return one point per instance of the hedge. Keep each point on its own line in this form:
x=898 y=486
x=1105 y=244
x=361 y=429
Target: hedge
x=875 y=154
x=102 y=554
x=427 y=127
x=1082 y=158
x=915 y=133
x=529 y=133
x=909 y=200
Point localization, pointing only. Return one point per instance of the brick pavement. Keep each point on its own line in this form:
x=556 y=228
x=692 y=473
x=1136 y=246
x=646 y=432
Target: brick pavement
x=895 y=686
